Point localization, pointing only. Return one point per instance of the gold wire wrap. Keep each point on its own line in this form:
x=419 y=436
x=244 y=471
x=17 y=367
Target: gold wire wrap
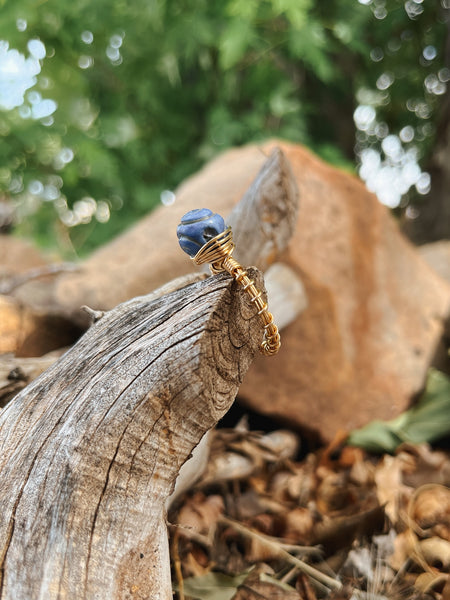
x=217 y=252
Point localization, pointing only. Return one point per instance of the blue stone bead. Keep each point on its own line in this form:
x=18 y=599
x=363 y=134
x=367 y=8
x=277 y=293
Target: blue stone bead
x=197 y=227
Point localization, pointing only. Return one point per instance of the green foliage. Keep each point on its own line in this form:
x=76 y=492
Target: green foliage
x=213 y=586
x=218 y=586
x=398 y=48
x=147 y=90
x=427 y=421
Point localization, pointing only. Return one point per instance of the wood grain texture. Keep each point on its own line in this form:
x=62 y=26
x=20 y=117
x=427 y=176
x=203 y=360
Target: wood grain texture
x=263 y=222
x=90 y=450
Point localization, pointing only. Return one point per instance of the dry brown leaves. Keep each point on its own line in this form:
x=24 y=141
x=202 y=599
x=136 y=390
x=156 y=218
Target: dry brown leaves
x=339 y=524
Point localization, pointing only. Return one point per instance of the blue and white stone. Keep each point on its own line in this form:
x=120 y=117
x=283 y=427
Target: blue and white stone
x=197 y=228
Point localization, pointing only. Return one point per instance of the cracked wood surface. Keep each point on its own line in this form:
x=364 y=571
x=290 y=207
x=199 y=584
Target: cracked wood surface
x=90 y=450
x=263 y=222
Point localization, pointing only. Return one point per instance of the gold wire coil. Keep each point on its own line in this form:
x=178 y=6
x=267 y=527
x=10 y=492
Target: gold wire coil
x=217 y=252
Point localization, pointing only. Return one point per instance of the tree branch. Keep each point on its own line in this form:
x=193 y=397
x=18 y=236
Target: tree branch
x=89 y=452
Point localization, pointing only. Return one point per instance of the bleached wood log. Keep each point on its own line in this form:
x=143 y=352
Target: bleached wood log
x=286 y=293
x=89 y=452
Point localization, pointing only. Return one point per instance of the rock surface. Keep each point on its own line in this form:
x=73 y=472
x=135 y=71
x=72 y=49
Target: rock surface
x=25 y=328
x=376 y=311
x=24 y=331
x=437 y=255
x=17 y=256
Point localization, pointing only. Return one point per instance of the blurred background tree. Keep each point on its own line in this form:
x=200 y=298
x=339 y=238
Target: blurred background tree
x=105 y=107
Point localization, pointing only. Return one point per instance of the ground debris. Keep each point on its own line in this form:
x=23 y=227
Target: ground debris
x=340 y=524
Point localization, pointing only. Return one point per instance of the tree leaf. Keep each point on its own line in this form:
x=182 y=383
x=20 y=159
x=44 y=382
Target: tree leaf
x=213 y=586
x=234 y=43
x=427 y=421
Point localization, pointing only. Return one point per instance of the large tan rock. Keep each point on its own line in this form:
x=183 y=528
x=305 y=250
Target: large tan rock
x=17 y=256
x=375 y=312
x=375 y=309
x=27 y=332
x=437 y=255
x=362 y=347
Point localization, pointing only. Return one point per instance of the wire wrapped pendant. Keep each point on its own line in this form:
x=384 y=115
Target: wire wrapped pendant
x=204 y=236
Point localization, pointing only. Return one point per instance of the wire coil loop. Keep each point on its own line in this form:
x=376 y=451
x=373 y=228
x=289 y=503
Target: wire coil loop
x=218 y=253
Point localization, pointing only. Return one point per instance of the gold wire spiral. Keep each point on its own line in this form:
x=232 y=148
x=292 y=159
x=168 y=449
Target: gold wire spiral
x=217 y=252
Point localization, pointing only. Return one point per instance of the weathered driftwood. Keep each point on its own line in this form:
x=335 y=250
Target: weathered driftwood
x=263 y=222
x=90 y=450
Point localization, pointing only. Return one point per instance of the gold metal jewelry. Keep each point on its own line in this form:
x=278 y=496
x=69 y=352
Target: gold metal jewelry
x=218 y=253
